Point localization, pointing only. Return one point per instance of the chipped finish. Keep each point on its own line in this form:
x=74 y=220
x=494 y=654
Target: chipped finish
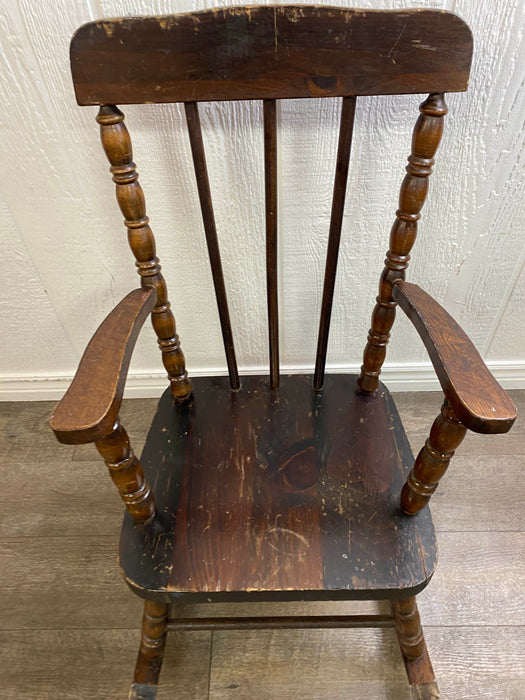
x=414 y=650
x=271 y=493
x=151 y=651
x=268 y=52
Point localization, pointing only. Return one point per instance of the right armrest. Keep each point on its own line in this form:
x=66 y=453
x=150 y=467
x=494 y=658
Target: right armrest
x=475 y=396
x=89 y=409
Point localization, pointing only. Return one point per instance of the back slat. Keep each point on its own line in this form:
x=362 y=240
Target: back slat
x=336 y=221
x=242 y=53
x=208 y=218
x=270 y=181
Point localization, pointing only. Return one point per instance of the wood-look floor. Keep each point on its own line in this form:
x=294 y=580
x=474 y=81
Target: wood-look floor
x=69 y=627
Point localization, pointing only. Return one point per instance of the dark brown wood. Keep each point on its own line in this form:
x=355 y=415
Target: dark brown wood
x=289 y=495
x=208 y=219
x=151 y=651
x=446 y=435
x=283 y=622
x=126 y=472
x=260 y=52
x=408 y=627
x=425 y=141
x=117 y=147
x=413 y=648
x=270 y=185
x=336 y=222
x=91 y=405
x=284 y=494
x=475 y=396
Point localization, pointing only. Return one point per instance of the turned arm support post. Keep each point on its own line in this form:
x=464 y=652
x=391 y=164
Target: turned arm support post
x=89 y=410
x=130 y=197
x=425 y=141
x=446 y=435
x=127 y=474
x=473 y=398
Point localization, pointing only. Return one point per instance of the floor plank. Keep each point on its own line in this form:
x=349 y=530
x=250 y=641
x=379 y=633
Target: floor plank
x=470 y=662
x=96 y=664
x=60 y=498
x=478 y=580
x=477 y=494
x=69 y=625
x=64 y=583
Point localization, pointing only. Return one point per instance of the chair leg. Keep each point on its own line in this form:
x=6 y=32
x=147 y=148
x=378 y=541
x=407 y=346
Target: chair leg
x=415 y=655
x=151 y=652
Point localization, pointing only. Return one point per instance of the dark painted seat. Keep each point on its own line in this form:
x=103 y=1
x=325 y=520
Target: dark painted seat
x=287 y=488
x=289 y=492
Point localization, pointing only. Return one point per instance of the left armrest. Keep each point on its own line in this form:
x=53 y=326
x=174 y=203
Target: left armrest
x=475 y=396
x=89 y=409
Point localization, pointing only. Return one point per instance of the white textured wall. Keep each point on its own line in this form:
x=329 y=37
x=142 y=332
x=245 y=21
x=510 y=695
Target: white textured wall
x=64 y=246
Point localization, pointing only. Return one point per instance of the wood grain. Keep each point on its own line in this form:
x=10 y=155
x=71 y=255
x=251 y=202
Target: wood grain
x=68 y=674
x=470 y=662
x=90 y=407
x=256 y=52
x=280 y=493
x=475 y=396
x=473 y=631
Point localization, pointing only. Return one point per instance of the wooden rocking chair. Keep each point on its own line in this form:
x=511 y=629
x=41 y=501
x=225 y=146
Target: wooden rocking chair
x=296 y=487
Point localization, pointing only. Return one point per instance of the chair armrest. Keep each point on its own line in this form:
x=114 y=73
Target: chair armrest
x=89 y=409
x=475 y=396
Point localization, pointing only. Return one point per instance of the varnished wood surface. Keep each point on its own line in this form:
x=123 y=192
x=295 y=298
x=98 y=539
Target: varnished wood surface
x=212 y=241
x=277 y=493
x=269 y=52
x=270 y=195
x=127 y=475
x=346 y=130
x=475 y=396
x=90 y=406
x=116 y=143
x=446 y=434
x=50 y=650
x=426 y=137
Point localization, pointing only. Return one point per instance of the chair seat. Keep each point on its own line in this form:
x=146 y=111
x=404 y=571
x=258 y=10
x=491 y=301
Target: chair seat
x=278 y=495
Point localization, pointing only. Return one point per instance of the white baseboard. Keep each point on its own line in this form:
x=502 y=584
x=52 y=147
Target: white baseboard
x=397 y=377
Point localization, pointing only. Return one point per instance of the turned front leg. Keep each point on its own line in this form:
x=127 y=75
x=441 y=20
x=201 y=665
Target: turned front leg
x=408 y=627
x=127 y=474
x=412 y=644
x=151 y=651
x=446 y=434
